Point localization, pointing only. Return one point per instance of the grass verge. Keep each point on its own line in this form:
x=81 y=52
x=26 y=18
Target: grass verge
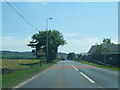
x=101 y=66
x=15 y=64
x=15 y=77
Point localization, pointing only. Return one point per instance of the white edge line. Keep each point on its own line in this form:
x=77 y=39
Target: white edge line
x=31 y=78
x=87 y=77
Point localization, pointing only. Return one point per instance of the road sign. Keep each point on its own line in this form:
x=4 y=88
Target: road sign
x=40 y=53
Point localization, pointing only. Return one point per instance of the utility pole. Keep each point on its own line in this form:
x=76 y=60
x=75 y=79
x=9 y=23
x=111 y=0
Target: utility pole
x=104 y=55
x=47 y=39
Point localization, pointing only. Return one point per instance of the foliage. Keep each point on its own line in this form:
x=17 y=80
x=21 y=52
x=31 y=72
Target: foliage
x=101 y=50
x=16 y=55
x=18 y=76
x=101 y=54
x=101 y=66
x=15 y=64
x=55 y=39
x=79 y=56
x=71 y=56
x=106 y=41
x=62 y=55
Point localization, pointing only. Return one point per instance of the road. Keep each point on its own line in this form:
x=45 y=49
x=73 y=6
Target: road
x=71 y=74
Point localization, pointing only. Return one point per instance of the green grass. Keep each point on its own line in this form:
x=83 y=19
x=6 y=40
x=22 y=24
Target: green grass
x=101 y=66
x=55 y=61
x=15 y=64
x=0 y=81
x=12 y=79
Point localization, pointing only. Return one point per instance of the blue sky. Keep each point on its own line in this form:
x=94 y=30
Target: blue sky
x=82 y=23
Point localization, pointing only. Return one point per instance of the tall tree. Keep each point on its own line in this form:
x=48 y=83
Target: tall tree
x=79 y=56
x=71 y=56
x=55 y=39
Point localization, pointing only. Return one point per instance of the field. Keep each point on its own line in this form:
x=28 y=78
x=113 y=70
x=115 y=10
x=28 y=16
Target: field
x=21 y=72
x=15 y=64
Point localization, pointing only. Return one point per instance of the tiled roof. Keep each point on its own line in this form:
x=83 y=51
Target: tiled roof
x=111 y=48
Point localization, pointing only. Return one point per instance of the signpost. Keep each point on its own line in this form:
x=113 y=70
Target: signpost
x=40 y=53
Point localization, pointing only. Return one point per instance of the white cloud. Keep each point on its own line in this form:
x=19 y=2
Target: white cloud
x=116 y=41
x=83 y=45
x=70 y=34
x=9 y=34
x=45 y=3
x=10 y=43
x=79 y=46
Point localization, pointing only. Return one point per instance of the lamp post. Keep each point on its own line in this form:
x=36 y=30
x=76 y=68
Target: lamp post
x=47 y=39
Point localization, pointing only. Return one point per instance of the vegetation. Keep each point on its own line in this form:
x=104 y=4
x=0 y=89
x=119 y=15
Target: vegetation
x=101 y=50
x=16 y=55
x=101 y=66
x=55 y=39
x=62 y=56
x=11 y=55
x=107 y=41
x=17 y=64
x=79 y=56
x=71 y=56
x=100 y=54
x=17 y=76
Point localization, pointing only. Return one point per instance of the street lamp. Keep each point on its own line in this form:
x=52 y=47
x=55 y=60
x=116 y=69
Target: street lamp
x=47 y=23
x=47 y=39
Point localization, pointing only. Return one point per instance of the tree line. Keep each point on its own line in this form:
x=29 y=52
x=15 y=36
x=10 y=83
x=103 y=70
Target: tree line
x=55 y=39
x=101 y=55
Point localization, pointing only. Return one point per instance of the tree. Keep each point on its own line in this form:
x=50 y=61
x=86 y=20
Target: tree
x=106 y=41
x=71 y=56
x=79 y=56
x=102 y=50
x=55 y=39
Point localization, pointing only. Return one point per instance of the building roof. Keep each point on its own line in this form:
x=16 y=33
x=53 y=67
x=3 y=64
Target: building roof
x=113 y=48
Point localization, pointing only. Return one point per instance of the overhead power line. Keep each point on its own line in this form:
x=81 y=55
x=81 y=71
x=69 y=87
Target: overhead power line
x=22 y=16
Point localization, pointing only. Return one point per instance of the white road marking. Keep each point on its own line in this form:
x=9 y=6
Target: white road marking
x=87 y=77
x=70 y=63
x=31 y=78
x=73 y=67
x=76 y=68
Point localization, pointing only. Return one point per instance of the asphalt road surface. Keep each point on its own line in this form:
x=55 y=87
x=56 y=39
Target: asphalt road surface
x=71 y=74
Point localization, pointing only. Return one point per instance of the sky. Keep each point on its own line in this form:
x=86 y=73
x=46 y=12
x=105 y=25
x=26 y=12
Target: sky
x=82 y=24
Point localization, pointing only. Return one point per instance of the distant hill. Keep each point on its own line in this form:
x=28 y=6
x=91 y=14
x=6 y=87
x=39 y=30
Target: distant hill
x=62 y=55
x=16 y=55
x=23 y=55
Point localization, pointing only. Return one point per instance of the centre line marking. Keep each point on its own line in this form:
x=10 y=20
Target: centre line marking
x=76 y=68
x=87 y=77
